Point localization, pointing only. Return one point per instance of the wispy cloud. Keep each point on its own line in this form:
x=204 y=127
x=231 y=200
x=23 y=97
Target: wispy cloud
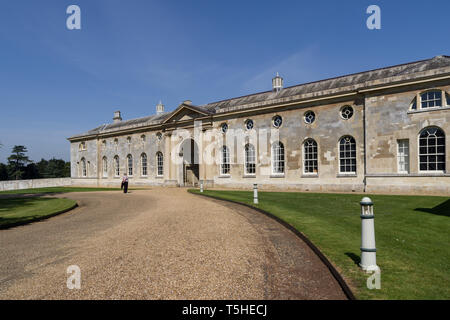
x=302 y=66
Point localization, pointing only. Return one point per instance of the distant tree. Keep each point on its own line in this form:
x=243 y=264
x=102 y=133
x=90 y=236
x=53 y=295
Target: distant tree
x=31 y=172
x=53 y=168
x=67 y=169
x=42 y=168
x=3 y=172
x=17 y=161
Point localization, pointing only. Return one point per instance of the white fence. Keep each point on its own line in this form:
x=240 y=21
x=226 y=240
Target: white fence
x=34 y=183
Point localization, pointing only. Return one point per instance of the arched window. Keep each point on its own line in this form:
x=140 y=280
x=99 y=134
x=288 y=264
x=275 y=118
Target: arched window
x=225 y=163
x=277 y=158
x=159 y=163
x=347 y=155
x=143 y=164
x=432 y=149
x=430 y=99
x=105 y=167
x=250 y=159
x=130 y=164
x=310 y=163
x=116 y=166
x=83 y=167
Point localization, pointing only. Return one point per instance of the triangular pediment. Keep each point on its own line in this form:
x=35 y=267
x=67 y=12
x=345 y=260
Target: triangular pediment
x=185 y=113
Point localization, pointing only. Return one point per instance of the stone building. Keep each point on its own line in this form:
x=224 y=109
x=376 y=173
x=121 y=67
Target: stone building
x=384 y=130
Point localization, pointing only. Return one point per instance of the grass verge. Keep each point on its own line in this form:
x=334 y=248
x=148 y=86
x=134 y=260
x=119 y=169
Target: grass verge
x=57 y=190
x=412 y=235
x=17 y=211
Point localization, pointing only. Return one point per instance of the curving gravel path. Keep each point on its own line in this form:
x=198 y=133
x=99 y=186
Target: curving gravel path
x=162 y=243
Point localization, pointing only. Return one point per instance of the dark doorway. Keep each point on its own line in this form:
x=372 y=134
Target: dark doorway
x=189 y=150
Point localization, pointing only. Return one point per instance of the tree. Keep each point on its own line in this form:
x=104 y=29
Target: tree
x=3 y=172
x=31 y=172
x=17 y=161
x=53 y=168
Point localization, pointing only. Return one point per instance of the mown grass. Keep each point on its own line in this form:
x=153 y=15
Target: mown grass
x=412 y=237
x=14 y=211
x=57 y=190
x=24 y=209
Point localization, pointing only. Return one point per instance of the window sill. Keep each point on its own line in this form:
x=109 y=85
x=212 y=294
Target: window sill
x=428 y=109
x=420 y=174
x=312 y=175
x=346 y=175
x=277 y=175
x=225 y=176
x=249 y=176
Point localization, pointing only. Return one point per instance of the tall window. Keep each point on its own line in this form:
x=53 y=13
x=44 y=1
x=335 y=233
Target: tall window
x=130 y=164
x=403 y=155
x=225 y=163
x=277 y=158
x=105 y=167
x=249 y=161
x=432 y=149
x=310 y=163
x=347 y=155
x=144 y=164
x=159 y=163
x=83 y=168
x=116 y=166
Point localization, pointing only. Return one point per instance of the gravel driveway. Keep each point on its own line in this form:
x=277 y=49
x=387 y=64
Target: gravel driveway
x=162 y=243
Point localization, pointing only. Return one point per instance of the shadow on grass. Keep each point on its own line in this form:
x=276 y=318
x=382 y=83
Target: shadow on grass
x=442 y=209
x=356 y=259
x=9 y=204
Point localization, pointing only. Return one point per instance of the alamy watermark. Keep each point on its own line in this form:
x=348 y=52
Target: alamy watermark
x=73 y=21
x=374 y=281
x=74 y=280
x=374 y=20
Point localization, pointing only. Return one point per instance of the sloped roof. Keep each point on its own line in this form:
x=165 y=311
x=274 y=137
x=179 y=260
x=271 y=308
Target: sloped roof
x=349 y=82
x=334 y=83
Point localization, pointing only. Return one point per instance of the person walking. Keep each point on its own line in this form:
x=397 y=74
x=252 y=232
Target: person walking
x=125 y=183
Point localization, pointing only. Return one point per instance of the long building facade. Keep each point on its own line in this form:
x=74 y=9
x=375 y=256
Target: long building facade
x=385 y=130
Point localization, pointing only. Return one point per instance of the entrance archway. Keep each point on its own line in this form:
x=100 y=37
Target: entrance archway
x=189 y=152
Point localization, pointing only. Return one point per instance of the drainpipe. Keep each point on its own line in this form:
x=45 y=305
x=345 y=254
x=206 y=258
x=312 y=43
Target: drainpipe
x=365 y=143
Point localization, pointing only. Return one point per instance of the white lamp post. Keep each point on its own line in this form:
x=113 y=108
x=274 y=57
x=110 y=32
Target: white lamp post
x=255 y=193
x=201 y=186
x=368 y=249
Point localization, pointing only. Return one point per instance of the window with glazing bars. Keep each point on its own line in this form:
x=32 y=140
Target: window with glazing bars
x=310 y=163
x=347 y=155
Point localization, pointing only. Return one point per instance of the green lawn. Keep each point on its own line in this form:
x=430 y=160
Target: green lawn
x=23 y=210
x=412 y=237
x=58 y=190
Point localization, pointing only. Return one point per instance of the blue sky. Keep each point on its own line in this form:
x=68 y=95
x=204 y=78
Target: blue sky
x=56 y=82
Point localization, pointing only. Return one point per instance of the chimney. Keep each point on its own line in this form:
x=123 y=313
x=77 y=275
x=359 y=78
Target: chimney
x=117 y=117
x=159 y=108
x=277 y=83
